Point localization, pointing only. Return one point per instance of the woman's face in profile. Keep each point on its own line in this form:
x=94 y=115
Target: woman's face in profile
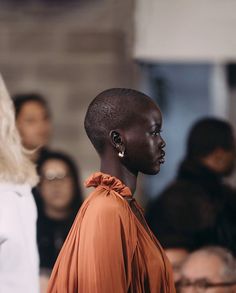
x=144 y=144
x=56 y=186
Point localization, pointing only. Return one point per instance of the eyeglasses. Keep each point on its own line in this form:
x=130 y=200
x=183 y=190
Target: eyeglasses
x=51 y=176
x=200 y=285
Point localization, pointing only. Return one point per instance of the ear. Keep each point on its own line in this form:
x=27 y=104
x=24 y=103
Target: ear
x=118 y=142
x=116 y=138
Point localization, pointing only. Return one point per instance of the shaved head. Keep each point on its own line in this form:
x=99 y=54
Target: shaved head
x=112 y=109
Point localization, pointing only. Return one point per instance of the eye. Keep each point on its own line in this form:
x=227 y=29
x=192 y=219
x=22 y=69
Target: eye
x=156 y=132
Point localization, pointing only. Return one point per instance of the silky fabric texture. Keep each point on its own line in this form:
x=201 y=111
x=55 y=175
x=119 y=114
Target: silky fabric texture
x=108 y=249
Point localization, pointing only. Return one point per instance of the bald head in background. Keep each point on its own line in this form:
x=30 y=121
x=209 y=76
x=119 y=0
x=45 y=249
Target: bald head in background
x=211 y=268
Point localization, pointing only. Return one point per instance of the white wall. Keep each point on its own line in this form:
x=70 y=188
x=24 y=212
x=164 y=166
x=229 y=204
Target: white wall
x=185 y=30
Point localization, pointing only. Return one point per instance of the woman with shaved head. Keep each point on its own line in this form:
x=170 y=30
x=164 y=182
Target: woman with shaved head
x=110 y=248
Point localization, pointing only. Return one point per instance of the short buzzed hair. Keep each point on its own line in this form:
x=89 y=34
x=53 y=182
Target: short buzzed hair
x=111 y=109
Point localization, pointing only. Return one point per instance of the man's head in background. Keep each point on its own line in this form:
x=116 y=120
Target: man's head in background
x=211 y=269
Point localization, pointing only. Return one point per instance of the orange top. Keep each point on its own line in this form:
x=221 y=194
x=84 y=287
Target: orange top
x=110 y=248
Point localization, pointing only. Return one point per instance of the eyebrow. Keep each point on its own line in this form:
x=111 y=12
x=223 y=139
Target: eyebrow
x=156 y=125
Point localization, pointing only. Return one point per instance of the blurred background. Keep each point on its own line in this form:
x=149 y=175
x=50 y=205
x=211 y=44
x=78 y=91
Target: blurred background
x=180 y=52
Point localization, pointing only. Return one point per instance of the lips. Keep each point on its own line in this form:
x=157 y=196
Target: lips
x=162 y=157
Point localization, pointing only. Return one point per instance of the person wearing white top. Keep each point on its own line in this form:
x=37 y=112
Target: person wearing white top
x=19 y=264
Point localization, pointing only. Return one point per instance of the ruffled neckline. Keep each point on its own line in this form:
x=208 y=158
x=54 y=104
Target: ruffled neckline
x=108 y=181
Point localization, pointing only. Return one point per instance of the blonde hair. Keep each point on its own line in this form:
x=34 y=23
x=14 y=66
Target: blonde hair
x=15 y=166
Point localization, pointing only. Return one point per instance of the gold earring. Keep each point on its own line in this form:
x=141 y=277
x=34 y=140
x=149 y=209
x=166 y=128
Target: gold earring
x=121 y=154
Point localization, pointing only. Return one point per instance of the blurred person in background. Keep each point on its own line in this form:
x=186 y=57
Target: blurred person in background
x=59 y=200
x=176 y=257
x=210 y=269
x=58 y=195
x=33 y=122
x=19 y=271
x=198 y=208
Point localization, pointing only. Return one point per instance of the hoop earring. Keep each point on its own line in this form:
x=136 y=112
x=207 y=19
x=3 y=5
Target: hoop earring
x=121 y=154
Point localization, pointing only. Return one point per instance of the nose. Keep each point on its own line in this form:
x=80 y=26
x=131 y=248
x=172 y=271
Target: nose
x=163 y=143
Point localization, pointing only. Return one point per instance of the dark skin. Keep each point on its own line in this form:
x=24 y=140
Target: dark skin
x=142 y=145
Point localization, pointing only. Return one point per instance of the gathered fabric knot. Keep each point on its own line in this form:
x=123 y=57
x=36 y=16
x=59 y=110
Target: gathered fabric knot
x=109 y=182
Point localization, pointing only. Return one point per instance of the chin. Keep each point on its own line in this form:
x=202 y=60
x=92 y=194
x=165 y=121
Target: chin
x=153 y=171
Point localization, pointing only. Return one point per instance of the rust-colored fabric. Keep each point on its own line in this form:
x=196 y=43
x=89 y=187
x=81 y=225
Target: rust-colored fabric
x=110 y=248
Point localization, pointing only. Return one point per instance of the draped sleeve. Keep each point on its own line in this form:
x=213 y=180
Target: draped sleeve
x=106 y=248
x=98 y=252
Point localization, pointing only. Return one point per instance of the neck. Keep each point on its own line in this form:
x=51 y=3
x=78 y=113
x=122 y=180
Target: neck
x=111 y=164
x=34 y=156
x=33 y=153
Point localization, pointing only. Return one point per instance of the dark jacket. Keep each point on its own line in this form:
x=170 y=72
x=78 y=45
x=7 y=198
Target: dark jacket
x=197 y=209
x=51 y=235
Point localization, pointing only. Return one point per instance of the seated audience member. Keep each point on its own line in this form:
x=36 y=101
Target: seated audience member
x=60 y=199
x=198 y=208
x=33 y=122
x=19 y=272
x=176 y=257
x=210 y=269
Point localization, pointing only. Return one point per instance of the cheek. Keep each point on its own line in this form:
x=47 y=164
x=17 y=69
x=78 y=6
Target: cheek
x=28 y=132
x=48 y=128
x=220 y=290
x=45 y=191
x=140 y=150
x=24 y=130
x=55 y=194
x=68 y=189
x=148 y=149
